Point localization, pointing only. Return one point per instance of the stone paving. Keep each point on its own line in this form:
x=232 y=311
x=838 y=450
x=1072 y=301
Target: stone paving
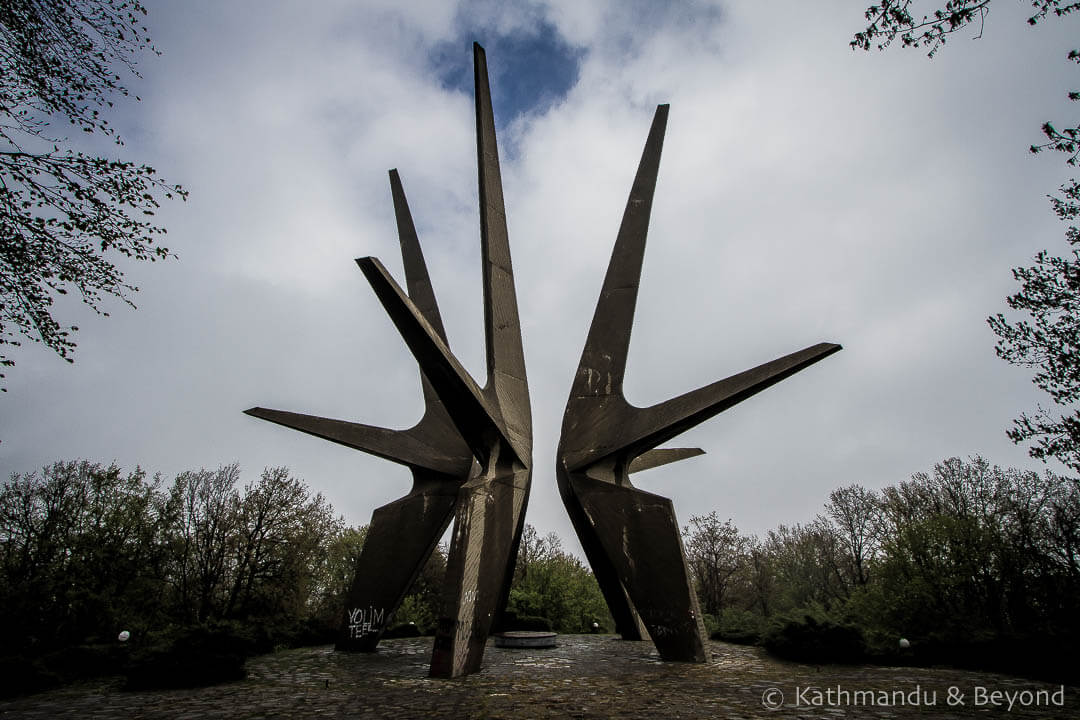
x=585 y=676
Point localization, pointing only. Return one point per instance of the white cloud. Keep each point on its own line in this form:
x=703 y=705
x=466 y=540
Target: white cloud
x=807 y=193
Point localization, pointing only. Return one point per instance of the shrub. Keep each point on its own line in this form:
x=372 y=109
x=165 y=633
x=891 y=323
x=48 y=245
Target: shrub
x=85 y=661
x=403 y=630
x=191 y=657
x=1039 y=657
x=513 y=621
x=807 y=638
x=737 y=626
x=414 y=609
x=21 y=675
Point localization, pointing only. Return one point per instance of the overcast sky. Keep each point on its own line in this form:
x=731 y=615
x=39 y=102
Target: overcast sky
x=807 y=193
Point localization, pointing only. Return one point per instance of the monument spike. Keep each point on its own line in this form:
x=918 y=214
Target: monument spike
x=417 y=280
x=506 y=378
x=603 y=360
x=631 y=537
x=422 y=294
x=491 y=505
x=645 y=428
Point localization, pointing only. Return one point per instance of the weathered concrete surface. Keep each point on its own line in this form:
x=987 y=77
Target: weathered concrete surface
x=586 y=676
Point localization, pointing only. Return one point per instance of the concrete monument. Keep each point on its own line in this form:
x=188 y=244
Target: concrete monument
x=471 y=453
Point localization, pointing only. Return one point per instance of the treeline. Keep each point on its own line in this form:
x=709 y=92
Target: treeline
x=971 y=564
x=551 y=590
x=203 y=571
x=199 y=567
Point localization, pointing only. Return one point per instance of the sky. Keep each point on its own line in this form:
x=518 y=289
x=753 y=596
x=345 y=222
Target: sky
x=807 y=193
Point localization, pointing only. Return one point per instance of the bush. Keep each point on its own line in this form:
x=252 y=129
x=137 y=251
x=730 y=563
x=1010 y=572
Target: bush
x=416 y=610
x=1035 y=657
x=807 y=638
x=191 y=657
x=513 y=621
x=737 y=626
x=80 y=662
x=21 y=675
x=403 y=630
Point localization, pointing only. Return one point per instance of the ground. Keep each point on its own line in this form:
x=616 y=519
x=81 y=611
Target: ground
x=586 y=676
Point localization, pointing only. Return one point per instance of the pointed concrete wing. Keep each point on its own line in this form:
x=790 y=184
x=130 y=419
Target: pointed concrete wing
x=472 y=413
x=603 y=361
x=640 y=535
x=400 y=538
x=596 y=399
x=622 y=428
x=417 y=280
x=661 y=456
x=400 y=446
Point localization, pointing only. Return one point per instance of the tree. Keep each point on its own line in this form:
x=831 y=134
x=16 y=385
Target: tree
x=423 y=604
x=806 y=560
x=855 y=513
x=279 y=541
x=80 y=553
x=65 y=214
x=715 y=552
x=552 y=584
x=1050 y=341
x=761 y=578
x=534 y=549
x=1050 y=289
x=253 y=554
x=335 y=573
x=202 y=527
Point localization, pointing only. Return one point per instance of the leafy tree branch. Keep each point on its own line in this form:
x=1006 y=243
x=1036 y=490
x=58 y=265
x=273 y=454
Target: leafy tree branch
x=66 y=215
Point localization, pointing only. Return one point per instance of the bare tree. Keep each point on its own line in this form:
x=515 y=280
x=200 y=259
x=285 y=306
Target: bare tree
x=715 y=552
x=856 y=514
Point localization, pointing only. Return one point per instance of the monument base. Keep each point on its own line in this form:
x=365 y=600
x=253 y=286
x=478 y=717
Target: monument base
x=525 y=639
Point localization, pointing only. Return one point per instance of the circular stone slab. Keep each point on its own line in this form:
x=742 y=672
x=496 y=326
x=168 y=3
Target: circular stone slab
x=525 y=639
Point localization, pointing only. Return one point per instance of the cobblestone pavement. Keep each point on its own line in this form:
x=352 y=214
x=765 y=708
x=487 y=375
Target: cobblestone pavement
x=586 y=676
